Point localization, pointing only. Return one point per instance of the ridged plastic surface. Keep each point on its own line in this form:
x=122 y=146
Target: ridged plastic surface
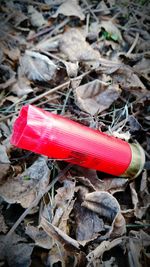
x=60 y=138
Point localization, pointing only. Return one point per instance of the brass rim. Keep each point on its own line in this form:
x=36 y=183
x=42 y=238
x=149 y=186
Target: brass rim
x=137 y=162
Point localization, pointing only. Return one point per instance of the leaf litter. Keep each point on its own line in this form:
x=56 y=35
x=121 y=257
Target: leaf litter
x=87 y=60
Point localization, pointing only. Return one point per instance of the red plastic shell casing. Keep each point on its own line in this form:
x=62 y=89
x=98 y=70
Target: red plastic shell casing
x=60 y=138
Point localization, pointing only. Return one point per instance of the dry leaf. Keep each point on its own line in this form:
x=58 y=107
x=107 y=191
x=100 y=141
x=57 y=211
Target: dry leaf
x=113 y=185
x=39 y=236
x=70 y=8
x=24 y=188
x=22 y=86
x=68 y=243
x=17 y=252
x=94 y=97
x=71 y=68
x=140 y=200
x=64 y=204
x=74 y=46
x=137 y=247
x=36 y=18
x=36 y=66
x=4 y=162
x=88 y=224
x=106 y=206
x=3 y=226
x=7 y=76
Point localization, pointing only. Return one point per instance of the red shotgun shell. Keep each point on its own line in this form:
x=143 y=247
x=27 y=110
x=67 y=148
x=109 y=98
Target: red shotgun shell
x=60 y=138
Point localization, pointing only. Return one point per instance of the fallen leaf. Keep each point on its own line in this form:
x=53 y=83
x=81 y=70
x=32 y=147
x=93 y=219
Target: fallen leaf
x=140 y=199
x=17 y=252
x=113 y=185
x=4 y=163
x=70 y=8
x=106 y=206
x=64 y=204
x=7 y=76
x=71 y=68
x=22 y=86
x=68 y=243
x=40 y=237
x=137 y=246
x=36 y=66
x=24 y=188
x=94 y=97
x=3 y=226
x=88 y=224
x=74 y=46
x=36 y=18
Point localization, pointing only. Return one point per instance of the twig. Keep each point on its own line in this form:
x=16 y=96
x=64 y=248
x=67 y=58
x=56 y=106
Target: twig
x=133 y=45
x=91 y=11
x=61 y=86
x=36 y=201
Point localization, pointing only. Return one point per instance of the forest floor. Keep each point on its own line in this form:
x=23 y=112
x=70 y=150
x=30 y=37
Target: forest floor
x=90 y=62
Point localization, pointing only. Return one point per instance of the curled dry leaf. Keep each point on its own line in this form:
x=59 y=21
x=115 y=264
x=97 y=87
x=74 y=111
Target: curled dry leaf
x=68 y=243
x=70 y=8
x=94 y=97
x=24 y=188
x=36 y=18
x=74 y=46
x=41 y=238
x=36 y=66
x=106 y=206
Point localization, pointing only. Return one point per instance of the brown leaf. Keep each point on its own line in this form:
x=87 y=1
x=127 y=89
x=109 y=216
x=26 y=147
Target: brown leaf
x=3 y=226
x=64 y=204
x=70 y=8
x=24 y=188
x=68 y=243
x=113 y=185
x=4 y=162
x=88 y=224
x=106 y=206
x=94 y=98
x=36 y=66
x=36 y=18
x=17 y=252
x=74 y=46
x=140 y=199
x=138 y=243
x=39 y=236
x=22 y=86
x=7 y=76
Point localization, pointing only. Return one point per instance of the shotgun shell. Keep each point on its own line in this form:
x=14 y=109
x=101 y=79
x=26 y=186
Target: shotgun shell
x=60 y=138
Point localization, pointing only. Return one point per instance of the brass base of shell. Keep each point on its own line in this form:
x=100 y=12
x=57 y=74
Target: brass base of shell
x=137 y=162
